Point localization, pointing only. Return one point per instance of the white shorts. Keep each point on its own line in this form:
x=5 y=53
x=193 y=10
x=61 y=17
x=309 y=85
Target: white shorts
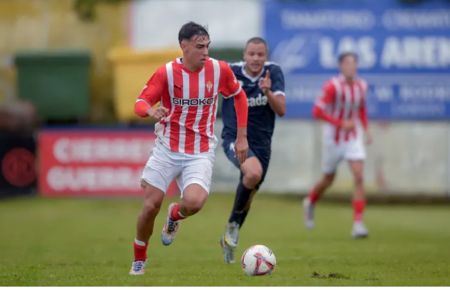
x=164 y=165
x=333 y=153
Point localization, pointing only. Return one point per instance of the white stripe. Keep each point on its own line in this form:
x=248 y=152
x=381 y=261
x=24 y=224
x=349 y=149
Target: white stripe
x=184 y=112
x=198 y=116
x=142 y=100
x=216 y=70
x=169 y=71
x=348 y=100
x=278 y=93
x=212 y=139
x=235 y=93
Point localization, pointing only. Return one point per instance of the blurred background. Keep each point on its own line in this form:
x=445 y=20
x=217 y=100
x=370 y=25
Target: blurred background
x=70 y=71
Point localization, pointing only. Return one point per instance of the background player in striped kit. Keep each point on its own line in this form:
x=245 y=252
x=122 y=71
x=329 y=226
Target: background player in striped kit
x=187 y=90
x=343 y=108
x=263 y=83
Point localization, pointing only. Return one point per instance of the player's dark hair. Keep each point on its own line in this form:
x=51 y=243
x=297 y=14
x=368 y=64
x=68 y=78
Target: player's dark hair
x=256 y=40
x=343 y=55
x=188 y=30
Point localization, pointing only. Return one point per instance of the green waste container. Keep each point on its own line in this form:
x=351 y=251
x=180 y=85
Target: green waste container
x=227 y=54
x=56 y=82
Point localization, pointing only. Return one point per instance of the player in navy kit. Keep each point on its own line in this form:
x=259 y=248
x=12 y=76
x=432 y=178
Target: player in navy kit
x=263 y=82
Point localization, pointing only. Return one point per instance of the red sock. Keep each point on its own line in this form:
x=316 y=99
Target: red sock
x=175 y=213
x=358 y=209
x=140 y=251
x=313 y=196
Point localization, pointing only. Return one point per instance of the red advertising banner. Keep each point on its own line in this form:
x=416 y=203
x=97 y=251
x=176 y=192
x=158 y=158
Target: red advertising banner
x=93 y=162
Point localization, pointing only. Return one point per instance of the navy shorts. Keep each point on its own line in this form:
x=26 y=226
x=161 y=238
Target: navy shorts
x=262 y=153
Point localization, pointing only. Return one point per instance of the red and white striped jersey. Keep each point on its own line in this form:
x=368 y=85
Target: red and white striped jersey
x=192 y=101
x=342 y=100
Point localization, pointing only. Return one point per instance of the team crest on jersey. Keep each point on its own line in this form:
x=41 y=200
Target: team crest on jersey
x=209 y=86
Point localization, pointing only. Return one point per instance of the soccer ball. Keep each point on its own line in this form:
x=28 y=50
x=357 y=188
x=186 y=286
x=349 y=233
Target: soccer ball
x=258 y=260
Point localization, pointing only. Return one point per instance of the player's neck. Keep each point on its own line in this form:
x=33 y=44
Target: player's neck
x=349 y=79
x=189 y=66
x=250 y=73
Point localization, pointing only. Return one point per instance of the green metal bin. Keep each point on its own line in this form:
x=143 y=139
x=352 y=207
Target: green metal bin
x=56 y=82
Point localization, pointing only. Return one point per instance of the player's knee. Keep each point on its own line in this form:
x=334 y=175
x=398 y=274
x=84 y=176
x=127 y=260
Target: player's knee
x=252 y=178
x=359 y=179
x=151 y=208
x=194 y=204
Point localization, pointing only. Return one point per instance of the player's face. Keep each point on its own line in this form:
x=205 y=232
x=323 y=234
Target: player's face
x=349 y=67
x=195 y=50
x=255 y=55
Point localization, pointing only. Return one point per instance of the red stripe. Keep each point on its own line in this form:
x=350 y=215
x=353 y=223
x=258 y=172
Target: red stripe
x=175 y=120
x=352 y=103
x=192 y=112
x=209 y=78
x=362 y=99
x=333 y=104
x=213 y=118
x=166 y=103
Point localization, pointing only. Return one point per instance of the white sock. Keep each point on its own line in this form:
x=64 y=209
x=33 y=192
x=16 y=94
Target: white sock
x=139 y=243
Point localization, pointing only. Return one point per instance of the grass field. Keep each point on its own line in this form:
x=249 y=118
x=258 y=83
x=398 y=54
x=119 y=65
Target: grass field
x=88 y=242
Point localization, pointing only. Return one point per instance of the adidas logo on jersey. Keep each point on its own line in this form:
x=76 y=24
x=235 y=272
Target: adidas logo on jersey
x=192 y=102
x=260 y=100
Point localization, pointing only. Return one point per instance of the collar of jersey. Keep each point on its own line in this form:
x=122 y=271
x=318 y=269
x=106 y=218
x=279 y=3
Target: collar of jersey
x=343 y=79
x=253 y=79
x=180 y=62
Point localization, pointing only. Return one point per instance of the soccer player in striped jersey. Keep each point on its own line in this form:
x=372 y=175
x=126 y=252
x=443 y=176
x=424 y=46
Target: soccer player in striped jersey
x=342 y=107
x=187 y=91
x=263 y=83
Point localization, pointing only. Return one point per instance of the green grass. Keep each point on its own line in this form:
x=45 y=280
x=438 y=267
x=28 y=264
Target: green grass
x=88 y=242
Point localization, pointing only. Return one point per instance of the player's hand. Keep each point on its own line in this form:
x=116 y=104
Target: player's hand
x=369 y=139
x=348 y=125
x=265 y=83
x=157 y=113
x=241 y=148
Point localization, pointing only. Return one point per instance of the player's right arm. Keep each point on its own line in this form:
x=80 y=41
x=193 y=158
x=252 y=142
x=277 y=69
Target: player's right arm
x=145 y=105
x=327 y=98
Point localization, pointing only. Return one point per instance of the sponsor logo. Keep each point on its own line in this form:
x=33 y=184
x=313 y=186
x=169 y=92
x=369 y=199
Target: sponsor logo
x=18 y=167
x=260 y=100
x=192 y=102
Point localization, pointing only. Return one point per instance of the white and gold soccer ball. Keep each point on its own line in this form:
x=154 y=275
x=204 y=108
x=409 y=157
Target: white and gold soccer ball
x=258 y=260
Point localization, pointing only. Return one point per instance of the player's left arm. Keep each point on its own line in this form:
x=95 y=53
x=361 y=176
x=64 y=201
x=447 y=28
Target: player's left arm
x=272 y=86
x=230 y=87
x=363 y=115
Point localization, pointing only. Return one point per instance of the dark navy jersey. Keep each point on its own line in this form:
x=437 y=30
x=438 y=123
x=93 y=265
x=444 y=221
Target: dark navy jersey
x=261 y=117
